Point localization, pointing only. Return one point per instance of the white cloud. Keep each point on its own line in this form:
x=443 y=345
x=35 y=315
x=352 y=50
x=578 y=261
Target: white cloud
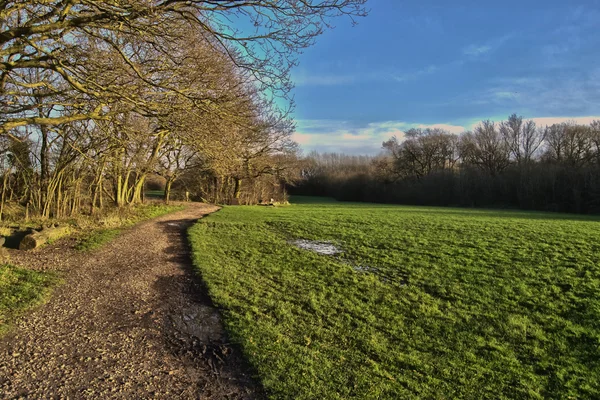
x=505 y=95
x=339 y=136
x=409 y=76
x=456 y=129
x=539 y=121
x=479 y=49
x=305 y=78
x=474 y=50
x=566 y=94
x=543 y=121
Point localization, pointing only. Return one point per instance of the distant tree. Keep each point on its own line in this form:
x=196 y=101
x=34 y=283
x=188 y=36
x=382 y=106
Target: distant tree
x=570 y=144
x=485 y=148
x=522 y=138
x=422 y=152
x=595 y=137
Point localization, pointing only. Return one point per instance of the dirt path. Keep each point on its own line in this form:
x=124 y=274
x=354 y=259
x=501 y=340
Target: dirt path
x=131 y=321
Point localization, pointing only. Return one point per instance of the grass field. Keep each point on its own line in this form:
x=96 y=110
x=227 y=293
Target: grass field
x=21 y=289
x=423 y=303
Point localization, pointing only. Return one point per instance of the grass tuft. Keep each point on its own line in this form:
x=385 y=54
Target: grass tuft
x=20 y=290
x=97 y=239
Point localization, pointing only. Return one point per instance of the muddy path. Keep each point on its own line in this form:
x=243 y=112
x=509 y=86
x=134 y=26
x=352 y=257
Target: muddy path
x=131 y=321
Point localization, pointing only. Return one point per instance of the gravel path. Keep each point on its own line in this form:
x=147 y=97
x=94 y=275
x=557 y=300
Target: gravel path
x=132 y=321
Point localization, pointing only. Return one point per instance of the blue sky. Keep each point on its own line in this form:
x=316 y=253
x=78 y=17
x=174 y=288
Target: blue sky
x=447 y=64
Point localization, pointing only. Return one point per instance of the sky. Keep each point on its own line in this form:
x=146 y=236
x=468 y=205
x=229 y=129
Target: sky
x=449 y=65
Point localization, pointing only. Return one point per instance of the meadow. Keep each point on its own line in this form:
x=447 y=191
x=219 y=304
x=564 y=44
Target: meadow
x=421 y=303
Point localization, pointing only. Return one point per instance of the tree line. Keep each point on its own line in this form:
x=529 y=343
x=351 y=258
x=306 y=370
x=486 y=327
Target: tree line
x=512 y=163
x=97 y=96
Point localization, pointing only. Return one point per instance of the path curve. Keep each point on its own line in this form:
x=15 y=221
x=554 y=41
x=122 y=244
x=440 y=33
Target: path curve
x=132 y=321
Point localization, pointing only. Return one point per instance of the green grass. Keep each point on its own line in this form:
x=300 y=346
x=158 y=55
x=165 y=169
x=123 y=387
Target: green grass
x=155 y=194
x=455 y=303
x=21 y=289
x=98 y=237
x=153 y=211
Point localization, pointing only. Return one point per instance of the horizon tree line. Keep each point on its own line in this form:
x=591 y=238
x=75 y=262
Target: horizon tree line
x=512 y=163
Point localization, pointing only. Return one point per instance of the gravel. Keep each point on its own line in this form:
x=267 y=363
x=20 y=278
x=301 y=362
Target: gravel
x=131 y=321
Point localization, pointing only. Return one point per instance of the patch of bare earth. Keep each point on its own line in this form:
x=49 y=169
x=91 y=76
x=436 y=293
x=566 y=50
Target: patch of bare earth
x=132 y=321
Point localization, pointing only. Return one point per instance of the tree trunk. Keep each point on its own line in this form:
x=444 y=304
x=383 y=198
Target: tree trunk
x=168 y=189
x=44 y=166
x=4 y=183
x=97 y=187
x=36 y=239
x=237 y=188
x=138 y=190
x=122 y=189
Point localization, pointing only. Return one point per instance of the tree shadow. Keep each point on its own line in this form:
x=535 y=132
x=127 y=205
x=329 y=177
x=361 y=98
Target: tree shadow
x=13 y=241
x=193 y=328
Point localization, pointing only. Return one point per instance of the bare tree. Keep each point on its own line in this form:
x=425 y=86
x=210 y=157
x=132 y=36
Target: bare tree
x=522 y=138
x=570 y=143
x=55 y=37
x=485 y=148
x=422 y=152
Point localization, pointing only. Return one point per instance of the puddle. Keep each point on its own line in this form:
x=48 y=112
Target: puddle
x=329 y=249
x=325 y=248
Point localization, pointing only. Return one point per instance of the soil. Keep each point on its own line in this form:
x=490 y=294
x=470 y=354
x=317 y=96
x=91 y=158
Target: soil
x=131 y=321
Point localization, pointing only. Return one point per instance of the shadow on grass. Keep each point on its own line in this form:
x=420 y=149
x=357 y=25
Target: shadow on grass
x=466 y=212
x=196 y=332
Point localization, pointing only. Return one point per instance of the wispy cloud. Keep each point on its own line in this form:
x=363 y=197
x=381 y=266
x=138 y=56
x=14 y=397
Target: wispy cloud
x=306 y=79
x=570 y=93
x=475 y=50
x=472 y=52
x=539 y=121
x=413 y=75
x=343 y=136
x=547 y=121
x=567 y=93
